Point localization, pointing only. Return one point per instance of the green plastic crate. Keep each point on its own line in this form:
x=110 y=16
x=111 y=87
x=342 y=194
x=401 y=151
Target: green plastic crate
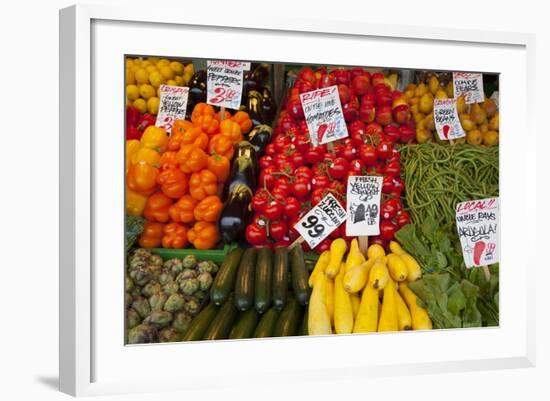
x=215 y=255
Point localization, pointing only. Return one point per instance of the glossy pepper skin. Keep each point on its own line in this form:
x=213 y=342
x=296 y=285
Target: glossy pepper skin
x=195 y=136
x=221 y=145
x=173 y=182
x=157 y=208
x=244 y=121
x=169 y=159
x=203 y=235
x=232 y=130
x=192 y=159
x=132 y=147
x=182 y=210
x=175 y=236
x=149 y=156
x=135 y=203
x=154 y=138
x=203 y=184
x=142 y=178
x=202 y=109
x=152 y=234
x=219 y=165
x=208 y=209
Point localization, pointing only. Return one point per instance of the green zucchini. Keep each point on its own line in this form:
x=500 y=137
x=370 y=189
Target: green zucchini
x=280 y=277
x=262 y=283
x=221 y=325
x=200 y=323
x=267 y=324
x=299 y=275
x=303 y=328
x=244 y=328
x=289 y=320
x=244 y=285
x=225 y=279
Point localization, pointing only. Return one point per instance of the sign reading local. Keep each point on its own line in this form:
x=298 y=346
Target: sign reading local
x=324 y=116
x=363 y=205
x=469 y=84
x=172 y=106
x=224 y=83
x=477 y=222
x=447 y=123
x=321 y=220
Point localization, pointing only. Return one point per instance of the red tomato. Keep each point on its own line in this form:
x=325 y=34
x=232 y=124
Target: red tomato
x=339 y=168
x=393 y=169
x=384 y=150
x=256 y=235
x=402 y=218
x=273 y=210
x=260 y=200
x=266 y=161
x=368 y=154
x=387 y=184
x=320 y=181
x=292 y=207
x=315 y=154
x=303 y=172
x=389 y=209
x=301 y=187
x=278 y=230
x=387 y=230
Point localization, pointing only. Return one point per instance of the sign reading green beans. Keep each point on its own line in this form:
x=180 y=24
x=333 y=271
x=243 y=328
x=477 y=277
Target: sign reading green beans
x=439 y=177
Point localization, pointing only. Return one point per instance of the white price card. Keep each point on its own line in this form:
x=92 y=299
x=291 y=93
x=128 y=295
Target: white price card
x=172 y=106
x=224 y=83
x=446 y=119
x=477 y=222
x=321 y=220
x=363 y=205
x=469 y=84
x=324 y=116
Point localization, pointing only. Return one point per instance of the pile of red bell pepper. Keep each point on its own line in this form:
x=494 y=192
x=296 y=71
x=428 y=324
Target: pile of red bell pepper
x=137 y=122
x=294 y=175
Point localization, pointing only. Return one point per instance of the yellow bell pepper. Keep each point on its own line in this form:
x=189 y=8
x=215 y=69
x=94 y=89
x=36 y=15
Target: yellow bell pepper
x=132 y=147
x=135 y=202
x=149 y=156
x=154 y=138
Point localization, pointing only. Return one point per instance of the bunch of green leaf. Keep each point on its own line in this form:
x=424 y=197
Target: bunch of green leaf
x=134 y=227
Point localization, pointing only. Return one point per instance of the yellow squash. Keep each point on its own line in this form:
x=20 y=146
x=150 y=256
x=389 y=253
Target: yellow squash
x=367 y=316
x=375 y=251
x=404 y=319
x=329 y=298
x=355 y=257
x=355 y=303
x=419 y=316
x=396 y=266
x=343 y=310
x=356 y=278
x=388 y=316
x=318 y=322
x=413 y=268
x=337 y=251
x=378 y=276
x=320 y=266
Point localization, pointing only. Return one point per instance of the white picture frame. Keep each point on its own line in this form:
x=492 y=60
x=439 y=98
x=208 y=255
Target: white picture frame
x=93 y=358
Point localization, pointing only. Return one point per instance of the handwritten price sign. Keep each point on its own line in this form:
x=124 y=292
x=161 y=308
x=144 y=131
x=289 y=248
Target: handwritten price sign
x=446 y=119
x=321 y=220
x=363 y=205
x=324 y=117
x=224 y=83
x=173 y=106
x=470 y=85
x=477 y=223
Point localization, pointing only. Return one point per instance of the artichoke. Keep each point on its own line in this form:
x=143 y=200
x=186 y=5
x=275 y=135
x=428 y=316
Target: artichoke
x=132 y=318
x=157 y=301
x=207 y=266
x=181 y=322
x=141 y=305
x=136 y=291
x=128 y=299
x=192 y=306
x=158 y=318
x=189 y=286
x=205 y=281
x=143 y=334
x=151 y=288
x=137 y=262
x=174 y=265
x=199 y=295
x=169 y=335
x=141 y=276
x=141 y=253
x=128 y=283
x=174 y=303
x=156 y=262
x=190 y=262
x=187 y=273
x=170 y=288
x=166 y=276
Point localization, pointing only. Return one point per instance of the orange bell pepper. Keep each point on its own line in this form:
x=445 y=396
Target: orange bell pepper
x=208 y=209
x=132 y=147
x=202 y=109
x=232 y=130
x=154 y=138
x=157 y=208
x=195 y=136
x=180 y=126
x=169 y=160
x=173 y=182
x=192 y=159
x=182 y=210
x=152 y=234
x=219 y=165
x=208 y=124
x=221 y=145
x=135 y=203
x=149 y=156
x=142 y=178
x=174 y=141
x=175 y=236
x=244 y=121
x=203 y=235
x=225 y=116
x=203 y=184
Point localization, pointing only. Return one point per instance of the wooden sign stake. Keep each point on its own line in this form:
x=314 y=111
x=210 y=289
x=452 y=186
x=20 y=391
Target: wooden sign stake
x=486 y=272
x=363 y=244
x=297 y=241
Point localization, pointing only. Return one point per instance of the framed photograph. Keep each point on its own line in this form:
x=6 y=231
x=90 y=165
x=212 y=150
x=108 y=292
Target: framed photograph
x=236 y=197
